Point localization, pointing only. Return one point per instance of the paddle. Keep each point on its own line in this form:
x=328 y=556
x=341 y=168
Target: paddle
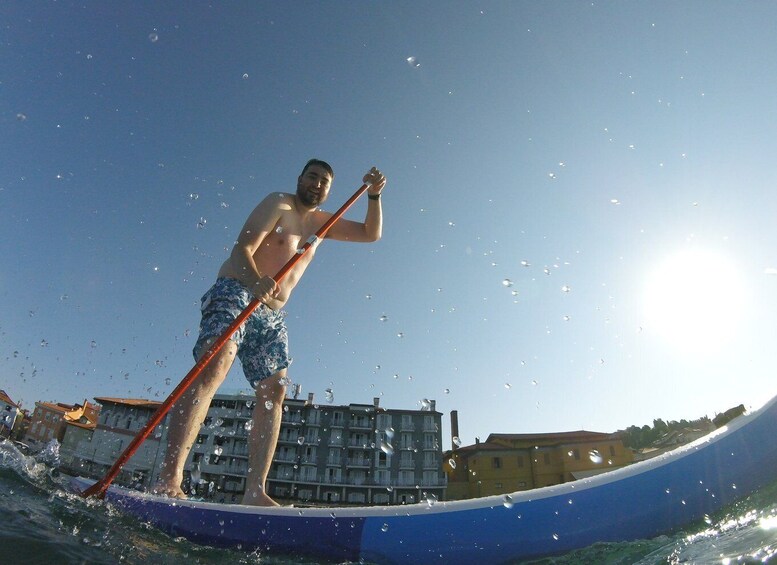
x=102 y=485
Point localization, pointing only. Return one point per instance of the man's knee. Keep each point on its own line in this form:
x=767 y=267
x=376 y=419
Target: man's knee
x=273 y=388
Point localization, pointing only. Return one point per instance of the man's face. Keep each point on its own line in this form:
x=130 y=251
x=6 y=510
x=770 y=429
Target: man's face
x=313 y=186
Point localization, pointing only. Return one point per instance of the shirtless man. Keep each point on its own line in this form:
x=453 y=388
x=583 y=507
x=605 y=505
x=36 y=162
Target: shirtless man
x=274 y=231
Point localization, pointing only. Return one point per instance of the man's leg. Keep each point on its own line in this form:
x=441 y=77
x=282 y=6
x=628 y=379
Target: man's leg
x=186 y=417
x=263 y=437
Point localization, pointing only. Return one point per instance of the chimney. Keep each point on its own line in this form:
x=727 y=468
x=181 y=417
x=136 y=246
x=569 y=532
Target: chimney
x=432 y=405
x=376 y=401
x=454 y=428
x=310 y=398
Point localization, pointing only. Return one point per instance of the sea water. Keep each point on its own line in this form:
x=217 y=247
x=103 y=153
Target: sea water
x=41 y=522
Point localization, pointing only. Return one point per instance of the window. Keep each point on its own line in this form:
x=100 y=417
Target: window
x=384 y=421
x=612 y=451
x=576 y=453
x=496 y=462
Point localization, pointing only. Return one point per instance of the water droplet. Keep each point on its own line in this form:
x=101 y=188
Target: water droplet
x=555 y=537
x=194 y=196
x=413 y=62
x=507 y=501
x=301 y=440
x=389 y=433
x=525 y=264
x=400 y=334
x=168 y=381
x=21 y=117
x=201 y=223
x=447 y=391
x=452 y=463
x=245 y=76
x=196 y=474
x=615 y=201
x=566 y=288
x=552 y=176
x=507 y=282
x=384 y=528
x=595 y=456
x=217 y=450
x=431 y=499
x=383 y=318
x=386 y=447
x=456 y=441
x=249 y=425
x=44 y=343
x=508 y=386
x=269 y=404
x=425 y=404
x=329 y=395
x=153 y=37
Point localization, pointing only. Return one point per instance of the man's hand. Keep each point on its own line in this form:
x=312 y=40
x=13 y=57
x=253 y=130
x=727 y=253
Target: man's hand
x=376 y=179
x=265 y=288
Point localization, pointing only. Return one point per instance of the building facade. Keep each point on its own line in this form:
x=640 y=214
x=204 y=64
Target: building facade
x=49 y=420
x=10 y=413
x=507 y=463
x=90 y=451
x=355 y=453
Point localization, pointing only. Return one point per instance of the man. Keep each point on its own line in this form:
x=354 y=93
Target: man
x=274 y=231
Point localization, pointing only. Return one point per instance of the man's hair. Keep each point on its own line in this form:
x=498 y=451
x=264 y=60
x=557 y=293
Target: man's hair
x=318 y=162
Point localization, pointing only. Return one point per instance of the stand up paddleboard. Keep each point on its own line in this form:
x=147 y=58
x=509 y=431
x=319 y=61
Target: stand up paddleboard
x=640 y=501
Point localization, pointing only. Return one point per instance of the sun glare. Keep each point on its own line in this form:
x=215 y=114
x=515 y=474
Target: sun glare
x=694 y=299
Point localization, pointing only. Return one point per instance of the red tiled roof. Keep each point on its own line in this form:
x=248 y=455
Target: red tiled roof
x=7 y=399
x=135 y=402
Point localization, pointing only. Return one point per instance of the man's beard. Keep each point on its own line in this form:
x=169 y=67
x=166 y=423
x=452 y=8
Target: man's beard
x=308 y=197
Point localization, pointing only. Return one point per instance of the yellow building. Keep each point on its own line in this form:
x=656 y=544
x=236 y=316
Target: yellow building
x=507 y=463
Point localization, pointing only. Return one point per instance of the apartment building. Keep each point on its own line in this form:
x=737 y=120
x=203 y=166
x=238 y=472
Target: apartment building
x=355 y=453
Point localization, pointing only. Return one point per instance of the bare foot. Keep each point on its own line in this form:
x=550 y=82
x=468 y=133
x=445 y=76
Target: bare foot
x=172 y=492
x=260 y=498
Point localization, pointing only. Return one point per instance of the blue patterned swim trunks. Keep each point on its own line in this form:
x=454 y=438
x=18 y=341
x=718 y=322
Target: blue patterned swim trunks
x=262 y=341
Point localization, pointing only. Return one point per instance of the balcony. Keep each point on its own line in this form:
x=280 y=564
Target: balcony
x=407 y=427
x=357 y=462
x=359 y=443
x=360 y=424
x=291 y=418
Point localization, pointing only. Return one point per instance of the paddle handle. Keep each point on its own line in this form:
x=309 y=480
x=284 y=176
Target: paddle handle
x=98 y=489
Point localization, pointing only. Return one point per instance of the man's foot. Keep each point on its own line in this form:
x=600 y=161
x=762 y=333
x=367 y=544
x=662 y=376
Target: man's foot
x=259 y=498
x=171 y=492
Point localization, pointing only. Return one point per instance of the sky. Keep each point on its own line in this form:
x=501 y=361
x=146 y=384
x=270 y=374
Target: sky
x=579 y=220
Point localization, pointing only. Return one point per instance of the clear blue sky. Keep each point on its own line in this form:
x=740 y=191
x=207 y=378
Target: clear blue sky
x=592 y=141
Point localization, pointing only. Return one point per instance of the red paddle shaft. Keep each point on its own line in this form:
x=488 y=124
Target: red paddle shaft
x=102 y=485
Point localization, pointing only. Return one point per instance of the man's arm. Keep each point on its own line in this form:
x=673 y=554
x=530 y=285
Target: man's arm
x=372 y=227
